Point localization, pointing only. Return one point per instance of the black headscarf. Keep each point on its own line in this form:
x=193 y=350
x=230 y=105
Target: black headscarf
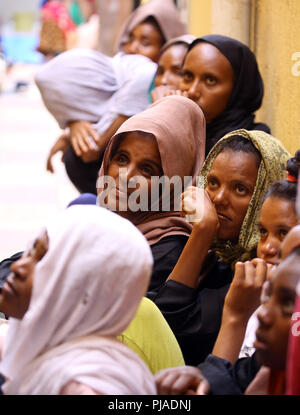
x=247 y=94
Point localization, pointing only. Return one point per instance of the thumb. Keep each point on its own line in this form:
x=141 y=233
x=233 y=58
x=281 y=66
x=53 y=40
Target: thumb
x=203 y=388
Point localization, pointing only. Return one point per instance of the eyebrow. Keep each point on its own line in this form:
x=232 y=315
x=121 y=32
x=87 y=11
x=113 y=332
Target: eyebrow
x=287 y=292
x=153 y=162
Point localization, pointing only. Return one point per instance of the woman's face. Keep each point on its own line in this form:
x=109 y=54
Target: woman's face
x=16 y=292
x=230 y=184
x=208 y=78
x=144 y=40
x=275 y=314
x=136 y=156
x=277 y=217
x=169 y=68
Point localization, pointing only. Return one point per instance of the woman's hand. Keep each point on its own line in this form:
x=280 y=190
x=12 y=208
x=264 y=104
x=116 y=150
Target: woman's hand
x=182 y=380
x=160 y=92
x=61 y=144
x=199 y=209
x=84 y=140
x=244 y=293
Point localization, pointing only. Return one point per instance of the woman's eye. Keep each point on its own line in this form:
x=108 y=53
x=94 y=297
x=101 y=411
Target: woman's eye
x=148 y=171
x=282 y=233
x=211 y=81
x=212 y=183
x=263 y=233
x=122 y=159
x=188 y=77
x=241 y=190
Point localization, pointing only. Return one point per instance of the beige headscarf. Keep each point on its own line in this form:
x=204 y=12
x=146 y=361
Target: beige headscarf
x=272 y=168
x=186 y=39
x=178 y=125
x=165 y=14
x=86 y=290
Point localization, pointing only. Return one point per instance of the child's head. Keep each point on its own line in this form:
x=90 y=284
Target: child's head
x=278 y=214
x=146 y=39
x=275 y=313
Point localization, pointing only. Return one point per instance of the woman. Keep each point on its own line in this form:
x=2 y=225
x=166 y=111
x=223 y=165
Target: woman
x=76 y=350
x=222 y=76
x=169 y=69
x=217 y=377
x=277 y=218
x=112 y=89
x=236 y=175
x=166 y=140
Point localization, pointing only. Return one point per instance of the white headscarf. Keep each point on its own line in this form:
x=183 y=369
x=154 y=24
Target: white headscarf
x=86 y=291
x=86 y=85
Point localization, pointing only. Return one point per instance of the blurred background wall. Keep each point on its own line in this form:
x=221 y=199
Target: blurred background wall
x=270 y=27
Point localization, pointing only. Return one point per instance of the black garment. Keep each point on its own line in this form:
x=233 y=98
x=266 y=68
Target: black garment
x=247 y=92
x=166 y=253
x=195 y=315
x=83 y=175
x=227 y=379
x=5 y=267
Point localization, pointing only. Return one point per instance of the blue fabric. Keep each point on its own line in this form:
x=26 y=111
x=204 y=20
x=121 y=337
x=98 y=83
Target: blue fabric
x=84 y=199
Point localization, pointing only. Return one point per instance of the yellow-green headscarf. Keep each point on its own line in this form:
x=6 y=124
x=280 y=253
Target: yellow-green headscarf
x=272 y=167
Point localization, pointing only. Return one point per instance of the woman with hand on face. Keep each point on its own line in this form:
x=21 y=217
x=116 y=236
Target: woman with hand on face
x=277 y=218
x=221 y=75
x=93 y=94
x=236 y=175
x=169 y=70
x=68 y=299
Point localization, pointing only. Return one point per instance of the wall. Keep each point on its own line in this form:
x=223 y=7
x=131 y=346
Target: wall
x=272 y=30
x=276 y=39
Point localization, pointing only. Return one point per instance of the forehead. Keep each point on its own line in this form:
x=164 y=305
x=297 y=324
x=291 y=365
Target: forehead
x=208 y=57
x=235 y=163
x=278 y=210
x=173 y=52
x=287 y=273
x=143 y=144
x=146 y=29
x=291 y=241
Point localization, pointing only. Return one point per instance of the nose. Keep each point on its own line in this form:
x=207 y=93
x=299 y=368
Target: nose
x=269 y=248
x=165 y=79
x=132 y=47
x=20 y=268
x=194 y=91
x=220 y=197
x=125 y=175
x=264 y=315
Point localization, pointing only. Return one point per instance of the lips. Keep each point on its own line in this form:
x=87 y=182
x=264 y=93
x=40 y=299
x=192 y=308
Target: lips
x=223 y=217
x=9 y=288
x=260 y=343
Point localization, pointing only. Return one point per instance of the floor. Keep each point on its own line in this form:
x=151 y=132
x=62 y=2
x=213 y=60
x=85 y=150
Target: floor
x=29 y=195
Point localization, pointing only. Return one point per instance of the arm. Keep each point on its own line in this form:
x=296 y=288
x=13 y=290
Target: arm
x=61 y=144
x=241 y=301
x=196 y=202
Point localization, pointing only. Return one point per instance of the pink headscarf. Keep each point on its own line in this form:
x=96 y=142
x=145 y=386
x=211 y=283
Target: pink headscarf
x=178 y=125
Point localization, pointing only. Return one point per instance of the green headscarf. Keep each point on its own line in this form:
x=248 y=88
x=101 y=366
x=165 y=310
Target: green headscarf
x=272 y=167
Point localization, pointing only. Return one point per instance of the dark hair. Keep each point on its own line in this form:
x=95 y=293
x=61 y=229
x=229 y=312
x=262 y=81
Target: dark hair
x=154 y=22
x=286 y=189
x=239 y=143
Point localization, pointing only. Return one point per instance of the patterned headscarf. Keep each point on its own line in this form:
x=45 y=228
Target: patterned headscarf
x=272 y=167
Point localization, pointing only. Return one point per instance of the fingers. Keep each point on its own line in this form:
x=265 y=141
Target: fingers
x=177 y=381
x=203 y=388
x=49 y=165
x=239 y=273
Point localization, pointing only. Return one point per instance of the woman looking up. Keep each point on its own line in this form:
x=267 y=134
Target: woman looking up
x=221 y=75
